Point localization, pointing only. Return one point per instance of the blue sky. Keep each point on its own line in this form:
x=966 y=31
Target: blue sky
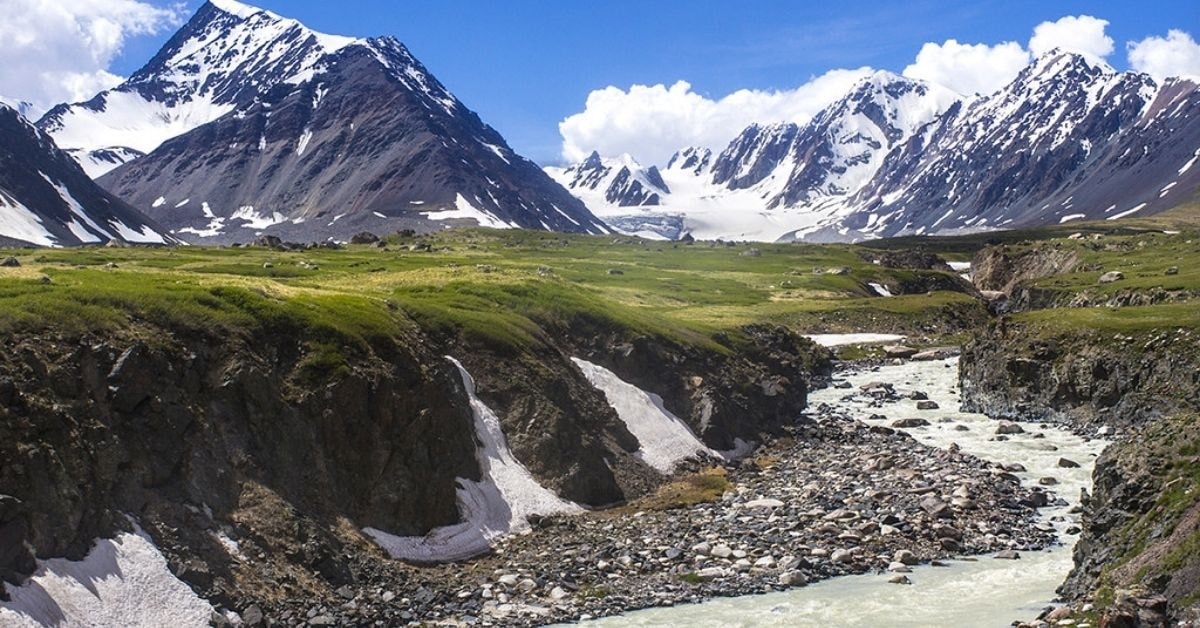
x=524 y=65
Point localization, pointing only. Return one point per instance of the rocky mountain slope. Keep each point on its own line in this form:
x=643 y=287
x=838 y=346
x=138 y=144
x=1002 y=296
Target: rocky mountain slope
x=1069 y=139
x=253 y=123
x=47 y=200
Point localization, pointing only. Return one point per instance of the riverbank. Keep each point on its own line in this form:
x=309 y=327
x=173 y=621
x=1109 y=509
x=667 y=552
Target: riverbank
x=843 y=493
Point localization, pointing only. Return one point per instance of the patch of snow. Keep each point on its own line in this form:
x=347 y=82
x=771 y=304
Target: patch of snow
x=880 y=289
x=123 y=582
x=664 y=439
x=89 y=231
x=841 y=340
x=1166 y=190
x=158 y=202
x=1128 y=212
x=185 y=202
x=139 y=235
x=960 y=266
x=254 y=220
x=465 y=210
x=1191 y=162
x=1071 y=217
x=19 y=223
x=379 y=215
x=498 y=504
x=305 y=138
x=499 y=152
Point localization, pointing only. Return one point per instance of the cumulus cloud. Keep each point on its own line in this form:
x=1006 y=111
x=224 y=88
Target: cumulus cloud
x=651 y=122
x=56 y=51
x=1083 y=34
x=1177 y=54
x=969 y=68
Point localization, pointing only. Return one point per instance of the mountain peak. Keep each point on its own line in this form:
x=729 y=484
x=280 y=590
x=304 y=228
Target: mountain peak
x=238 y=9
x=1060 y=61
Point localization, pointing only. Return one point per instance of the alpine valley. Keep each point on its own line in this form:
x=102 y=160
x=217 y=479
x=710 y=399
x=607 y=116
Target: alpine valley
x=290 y=337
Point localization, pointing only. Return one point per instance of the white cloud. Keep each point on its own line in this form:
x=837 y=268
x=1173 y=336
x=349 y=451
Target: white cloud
x=56 y=50
x=1083 y=34
x=969 y=68
x=651 y=122
x=1175 y=55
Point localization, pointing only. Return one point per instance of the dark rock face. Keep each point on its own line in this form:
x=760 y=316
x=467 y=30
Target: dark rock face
x=1083 y=381
x=374 y=142
x=46 y=199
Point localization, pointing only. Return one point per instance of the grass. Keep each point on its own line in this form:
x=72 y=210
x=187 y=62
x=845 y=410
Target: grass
x=512 y=290
x=699 y=488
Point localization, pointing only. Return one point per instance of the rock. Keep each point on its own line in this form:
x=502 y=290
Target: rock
x=365 y=237
x=615 y=271
x=1008 y=427
x=322 y=620
x=1008 y=555
x=527 y=585
x=10 y=262
x=711 y=573
x=1112 y=276
x=1174 y=270
x=702 y=549
x=940 y=353
x=752 y=253
x=842 y=556
x=269 y=241
x=1106 y=430
x=899 y=579
x=838 y=270
x=917 y=395
x=899 y=351
x=1047 y=481
x=927 y=405
x=252 y=617
x=722 y=551
x=766 y=562
x=897 y=567
x=558 y=593
x=905 y=557
x=793 y=579
x=909 y=423
x=764 y=503
x=937 y=508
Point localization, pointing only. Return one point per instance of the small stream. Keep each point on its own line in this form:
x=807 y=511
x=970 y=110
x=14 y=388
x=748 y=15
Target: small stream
x=969 y=592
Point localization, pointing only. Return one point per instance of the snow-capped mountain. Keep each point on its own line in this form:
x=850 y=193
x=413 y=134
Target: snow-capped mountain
x=265 y=125
x=1068 y=139
x=27 y=110
x=47 y=200
x=226 y=56
x=1027 y=154
x=622 y=182
x=774 y=178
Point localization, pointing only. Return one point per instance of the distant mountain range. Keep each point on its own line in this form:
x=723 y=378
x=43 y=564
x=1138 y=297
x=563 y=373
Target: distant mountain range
x=247 y=122
x=1068 y=139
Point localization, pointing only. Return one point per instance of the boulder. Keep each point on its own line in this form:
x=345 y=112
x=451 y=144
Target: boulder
x=366 y=237
x=927 y=405
x=1112 y=276
x=1064 y=463
x=1008 y=427
x=10 y=262
x=899 y=351
x=909 y=423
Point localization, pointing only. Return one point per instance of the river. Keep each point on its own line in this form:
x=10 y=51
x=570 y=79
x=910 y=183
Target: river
x=981 y=592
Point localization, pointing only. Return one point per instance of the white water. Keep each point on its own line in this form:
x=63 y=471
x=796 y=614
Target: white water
x=985 y=592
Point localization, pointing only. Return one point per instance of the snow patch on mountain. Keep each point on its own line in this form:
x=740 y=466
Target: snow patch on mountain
x=123 y=581
x=664 y=440
x=499 y=503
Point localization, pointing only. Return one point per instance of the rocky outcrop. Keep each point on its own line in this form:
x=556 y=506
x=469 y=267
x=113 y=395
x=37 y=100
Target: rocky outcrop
x=1081 y=378
x=999 y=269
x=190 y=436
x=1136 y=563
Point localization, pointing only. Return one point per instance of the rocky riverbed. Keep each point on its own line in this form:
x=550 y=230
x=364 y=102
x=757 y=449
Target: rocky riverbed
x=837 y=496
